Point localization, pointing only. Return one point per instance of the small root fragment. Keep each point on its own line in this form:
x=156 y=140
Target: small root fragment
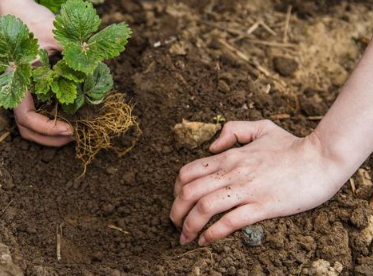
x=92 y=135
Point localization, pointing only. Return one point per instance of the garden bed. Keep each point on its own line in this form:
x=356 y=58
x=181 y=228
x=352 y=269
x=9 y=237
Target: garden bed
x=193 y=60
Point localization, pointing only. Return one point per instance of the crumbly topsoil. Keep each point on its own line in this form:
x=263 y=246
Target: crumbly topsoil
x=193 y=60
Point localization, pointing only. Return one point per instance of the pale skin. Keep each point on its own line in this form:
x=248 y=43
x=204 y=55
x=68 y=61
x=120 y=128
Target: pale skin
x=274 y=174
x=33 y=126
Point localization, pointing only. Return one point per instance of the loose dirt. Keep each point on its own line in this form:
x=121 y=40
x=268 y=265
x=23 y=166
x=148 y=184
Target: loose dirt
x=195 y=60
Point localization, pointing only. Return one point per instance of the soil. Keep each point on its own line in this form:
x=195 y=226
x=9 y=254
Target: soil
x=183 y=63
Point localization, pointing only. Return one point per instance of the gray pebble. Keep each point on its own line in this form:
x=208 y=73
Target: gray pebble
x=253 y=235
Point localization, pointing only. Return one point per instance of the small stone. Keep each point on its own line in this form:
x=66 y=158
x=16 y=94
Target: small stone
x=253 y=235
x=215 y=273
x=166 y=150
x=128 y=177
x=223 y=86
x=115 y=272
x=359 y=218
x=367 y=232
x=364 y=184
x=285 y=66
x=7 y=267
x=193 y=134
x=111 y=170
x=179 y=49
x=242 y=272
x=227 y=77
x=323 y=268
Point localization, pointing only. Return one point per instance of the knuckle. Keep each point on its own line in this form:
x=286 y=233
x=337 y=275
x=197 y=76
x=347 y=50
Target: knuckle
x=205 y=206
x=22 y=120
x=186 y=193
x=183 y=174
x=187 y=227
x=229 y=221
x=24 y=134
x=209 y=235
x=229 y=126
x=267 y=123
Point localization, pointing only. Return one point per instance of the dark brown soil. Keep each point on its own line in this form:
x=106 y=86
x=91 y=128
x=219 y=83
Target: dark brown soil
x=192 y=75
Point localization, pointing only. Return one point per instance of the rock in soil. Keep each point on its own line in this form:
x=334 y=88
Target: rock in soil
x=323 y=268
x=253 y=235
x=193 y=134
x=365 y=185
x=367 y=232
x=7 y=267
x=285 y=66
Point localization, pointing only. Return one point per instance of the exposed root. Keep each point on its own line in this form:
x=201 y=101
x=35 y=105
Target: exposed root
x=92 y=135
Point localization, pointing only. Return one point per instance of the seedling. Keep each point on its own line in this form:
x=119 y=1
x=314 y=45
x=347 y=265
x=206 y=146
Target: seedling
x=219 y=119
x=80 y=77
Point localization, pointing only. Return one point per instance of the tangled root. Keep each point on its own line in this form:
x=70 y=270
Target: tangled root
x=114 y=119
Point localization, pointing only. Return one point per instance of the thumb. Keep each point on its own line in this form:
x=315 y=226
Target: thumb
x=240 y=132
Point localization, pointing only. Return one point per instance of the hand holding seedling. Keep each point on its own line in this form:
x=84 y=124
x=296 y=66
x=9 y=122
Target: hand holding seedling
x=33 y=126
x=80 y=77
x=276 y=174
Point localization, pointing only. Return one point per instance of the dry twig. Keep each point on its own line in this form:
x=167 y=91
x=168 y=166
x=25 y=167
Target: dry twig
x=111 y=226
x=287 y=23
x=59 y=241
x=352 y=185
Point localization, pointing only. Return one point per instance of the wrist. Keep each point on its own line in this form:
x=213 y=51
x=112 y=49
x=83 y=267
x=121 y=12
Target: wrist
x=337 y=153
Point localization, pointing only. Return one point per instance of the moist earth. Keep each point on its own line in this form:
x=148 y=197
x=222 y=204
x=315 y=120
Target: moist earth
x=194 y=60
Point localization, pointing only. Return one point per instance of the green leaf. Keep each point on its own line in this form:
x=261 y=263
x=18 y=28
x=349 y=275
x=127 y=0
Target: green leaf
x=17 y=44
x=43 y=77
x=79 y=59
x=44 y=58
x=63 y=70
x=111 y=41
x=65 y=90
x=74 y=107
x=13 y=85
x=106 y=44
x=53 y=5
x=76 y=22
x=98 y=85
x=45 y=97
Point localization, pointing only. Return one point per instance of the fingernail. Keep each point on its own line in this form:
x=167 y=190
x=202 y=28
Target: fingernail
x=202 y=241
x=183 y=239
x=67 y=133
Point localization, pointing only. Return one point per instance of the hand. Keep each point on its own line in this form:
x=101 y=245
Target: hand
x=276 y=174
x=33 y=126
